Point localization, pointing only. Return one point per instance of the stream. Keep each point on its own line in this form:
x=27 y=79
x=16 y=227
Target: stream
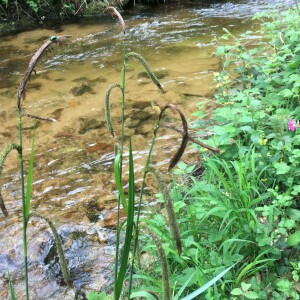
x=73 y=180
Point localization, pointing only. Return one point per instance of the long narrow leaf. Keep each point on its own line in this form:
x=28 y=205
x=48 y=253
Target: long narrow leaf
x=118 y=181
x=143 y=295
x=29 y=178
x=183 y=287
x=129 y=229
x=207 y=285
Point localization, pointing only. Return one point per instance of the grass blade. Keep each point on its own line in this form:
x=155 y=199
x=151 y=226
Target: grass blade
x=129 y=229
x=143 y=295
x=118 y=179
x=176 y=297
x=11 y=288
x=207 y=285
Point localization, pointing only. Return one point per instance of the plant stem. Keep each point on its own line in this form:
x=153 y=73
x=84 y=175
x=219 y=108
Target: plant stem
x=116 y=297
x=23 y=206
x=139 y=204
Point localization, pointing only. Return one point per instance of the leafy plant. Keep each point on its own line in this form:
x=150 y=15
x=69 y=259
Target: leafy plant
x=243 y=207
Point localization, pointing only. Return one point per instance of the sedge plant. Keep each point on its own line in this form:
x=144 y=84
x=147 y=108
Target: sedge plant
x=26 y=189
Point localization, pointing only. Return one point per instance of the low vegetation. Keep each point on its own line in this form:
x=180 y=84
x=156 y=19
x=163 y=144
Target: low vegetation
x=243 y=208
x=40 y=11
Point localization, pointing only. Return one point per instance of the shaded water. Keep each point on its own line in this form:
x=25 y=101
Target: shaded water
x=73 y=177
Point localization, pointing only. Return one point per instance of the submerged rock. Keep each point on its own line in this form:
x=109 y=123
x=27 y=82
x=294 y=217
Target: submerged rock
x=160 y=74
x=82 y=89
x=87 y=124
x=89 y=250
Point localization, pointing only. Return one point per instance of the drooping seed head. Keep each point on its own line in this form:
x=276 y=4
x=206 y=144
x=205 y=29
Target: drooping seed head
x=113 y=11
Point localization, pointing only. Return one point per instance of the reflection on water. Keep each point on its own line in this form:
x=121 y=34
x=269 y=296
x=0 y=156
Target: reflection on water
x=73 y=176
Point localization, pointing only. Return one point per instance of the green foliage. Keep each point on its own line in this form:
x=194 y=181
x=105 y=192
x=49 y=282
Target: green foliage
x=244 y=292
x=41 y=10
x=244 y=208
x=97 y=296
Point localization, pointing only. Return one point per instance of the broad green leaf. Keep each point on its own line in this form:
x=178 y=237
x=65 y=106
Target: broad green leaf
x=281 y=168
x=245 y=286
x=296 y=190
x=251 y=295
x=294 y=238
x=96 y=296
x=236 y=292
x=294 y=214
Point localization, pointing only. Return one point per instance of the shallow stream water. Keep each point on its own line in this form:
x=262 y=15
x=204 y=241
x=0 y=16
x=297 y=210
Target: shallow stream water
x=73 y=173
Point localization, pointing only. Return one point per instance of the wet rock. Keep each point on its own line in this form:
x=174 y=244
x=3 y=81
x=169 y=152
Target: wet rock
x=110 y=219
x=145 y=114
x=160 y=74
x=57 y=113
x=91 y=82
x=138 y=117
x=5 y=82
x=145 y=129
x=109 y=201
x=100 y=147
x=88 y=249
x=141 y=104
x=139 y=142
x=82 y=89
x=33 y=86
x=87 y=124
x=8 y=94
x=65 y=134
x=85 y=220
x=98 y=79
x=74 y=214
x=131 y=123
x=7 y=134
x=100 y=204
x=80 y=79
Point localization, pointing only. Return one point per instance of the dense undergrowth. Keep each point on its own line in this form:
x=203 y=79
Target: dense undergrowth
x=39 y=10
x=244 y=207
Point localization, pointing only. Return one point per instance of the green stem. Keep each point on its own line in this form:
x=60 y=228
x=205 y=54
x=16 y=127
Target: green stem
x=140 y=203
x=121 y=168
x=23 y=206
